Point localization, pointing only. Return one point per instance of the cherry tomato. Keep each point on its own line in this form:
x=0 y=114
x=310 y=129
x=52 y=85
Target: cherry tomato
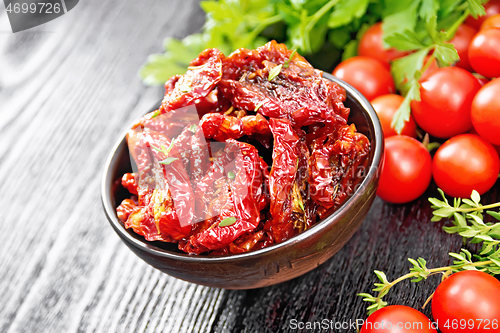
x=485 y=111
x=484 y=52
x=461 y=41
x=431 y=69
x=464 y=163
x=491 y=22
x=492 y=7
x=371 y=45
x=446 y=98
x=407 y=170
x=370 y=76
x=397 y=319
x=386 y=106
x=467 y=301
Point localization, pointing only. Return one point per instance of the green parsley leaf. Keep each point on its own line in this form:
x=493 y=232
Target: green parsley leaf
x=193 y=128
x=350 y=50
x=406 y=41
x=227 y=221
x=429 y=8
x=404 y=69
x=446 y=54
x=400 y=21
x=231 y=175
x=402 y=115
x=168 y=160
x=476 y=8
x=160 y=67
x=345 y=11
x=274 y=72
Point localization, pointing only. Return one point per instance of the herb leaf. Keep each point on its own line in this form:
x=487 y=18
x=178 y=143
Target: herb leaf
x=231 y=175
x=287 y=62
x=347 y=10
x=446 y=54
x=402 y=115
x=156 y=114
x=168 y=160
x=274 y=72
x=227 y=221
x=476 y=8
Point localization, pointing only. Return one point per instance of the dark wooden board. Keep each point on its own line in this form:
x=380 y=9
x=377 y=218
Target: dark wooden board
x=67 y=90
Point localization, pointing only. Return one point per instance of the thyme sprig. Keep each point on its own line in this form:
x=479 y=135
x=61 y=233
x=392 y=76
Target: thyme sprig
x=163 y=149
x=467 y=219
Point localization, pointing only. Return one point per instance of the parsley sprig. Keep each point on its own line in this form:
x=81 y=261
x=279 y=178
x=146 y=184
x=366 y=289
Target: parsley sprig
x=325 y=31
x=467 y=219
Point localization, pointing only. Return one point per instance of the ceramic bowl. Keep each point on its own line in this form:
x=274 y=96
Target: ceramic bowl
x=267 y=266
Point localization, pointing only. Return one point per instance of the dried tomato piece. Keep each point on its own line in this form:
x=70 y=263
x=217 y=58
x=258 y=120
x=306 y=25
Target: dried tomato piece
x=240 y=195
x=125 y=209
x=162 y=178
x=336 y=166
x=201 y=78
x=251 y=125
x=221 y=127
x=298 y=93
x=282 y=177
x=128 y=181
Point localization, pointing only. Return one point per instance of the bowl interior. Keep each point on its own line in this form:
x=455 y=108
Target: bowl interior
x=362 y=115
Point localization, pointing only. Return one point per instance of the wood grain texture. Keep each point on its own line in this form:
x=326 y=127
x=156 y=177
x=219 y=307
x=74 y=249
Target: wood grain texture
x=67 y=90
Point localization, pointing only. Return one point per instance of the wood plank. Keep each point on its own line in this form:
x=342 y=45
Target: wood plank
x=59 y=120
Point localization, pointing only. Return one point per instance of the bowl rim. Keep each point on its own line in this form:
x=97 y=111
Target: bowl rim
x=320 y=226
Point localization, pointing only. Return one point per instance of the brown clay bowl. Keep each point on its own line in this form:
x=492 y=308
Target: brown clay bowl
x=271 y=265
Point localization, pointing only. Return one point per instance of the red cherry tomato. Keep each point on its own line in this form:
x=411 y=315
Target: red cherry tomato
x=491 y=22
x=431 y=69
x=386 y=106
x=397 y=319
x=484 y=52
x=492 y=7
x=464 y=163
x=370 y=76
x=485 y=111
x=407 y=170
x=371 y=45
x=461 y=41
x=467 y=301
x=446 y=98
